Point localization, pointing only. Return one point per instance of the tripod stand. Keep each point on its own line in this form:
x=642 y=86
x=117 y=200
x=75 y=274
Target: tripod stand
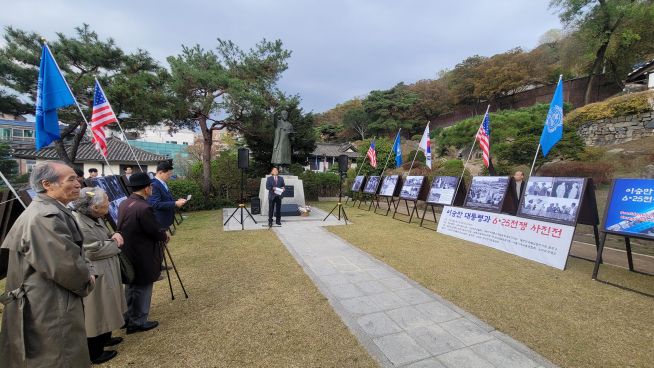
x=172 y=263
x=339 y=205
x=241 y=207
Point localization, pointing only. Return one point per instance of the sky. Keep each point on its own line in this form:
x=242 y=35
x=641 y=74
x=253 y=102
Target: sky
x=341 y=49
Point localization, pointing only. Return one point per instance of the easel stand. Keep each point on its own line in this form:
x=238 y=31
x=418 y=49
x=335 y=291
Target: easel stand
x=339 y=205
x=409 y=212
x=422 y=220
x=600 y=250
x=356 y=196
x=364 y=199
x=374 y=200
x=241 y=207
x=172 y=263
x=390 y=203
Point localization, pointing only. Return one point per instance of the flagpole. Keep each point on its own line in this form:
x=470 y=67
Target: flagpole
x=535 y=157
x=12 y=189
x=414 y=160
x=470 y=154
x=75 y=99
x=363 y=163
x=416 y=155
x=389 y=154
x=548 y=114
x=121 y=130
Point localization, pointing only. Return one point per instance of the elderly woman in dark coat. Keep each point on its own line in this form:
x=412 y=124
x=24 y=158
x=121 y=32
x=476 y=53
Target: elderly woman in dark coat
x=105 y=306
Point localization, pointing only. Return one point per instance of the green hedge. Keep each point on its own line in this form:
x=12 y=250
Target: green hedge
x=317 y=184
x=631 y=104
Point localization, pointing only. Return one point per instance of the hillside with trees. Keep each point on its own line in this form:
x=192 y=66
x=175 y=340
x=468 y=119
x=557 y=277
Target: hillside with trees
x=600 y=37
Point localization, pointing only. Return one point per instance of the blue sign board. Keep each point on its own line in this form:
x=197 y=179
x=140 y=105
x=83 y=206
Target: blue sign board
x=630 y=211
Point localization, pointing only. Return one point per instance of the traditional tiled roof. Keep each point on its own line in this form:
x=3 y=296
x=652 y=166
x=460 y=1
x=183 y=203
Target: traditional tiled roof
x=118 y=151
x=641 y=71
x=335 y=150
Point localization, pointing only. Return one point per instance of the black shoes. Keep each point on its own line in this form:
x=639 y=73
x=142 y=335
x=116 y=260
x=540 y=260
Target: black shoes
x=278 y=223
x=147 y=326
x=105 y=357
x=113 y=341
x=269 y=223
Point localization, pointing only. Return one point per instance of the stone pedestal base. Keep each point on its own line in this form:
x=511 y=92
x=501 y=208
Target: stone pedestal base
x=289 y=181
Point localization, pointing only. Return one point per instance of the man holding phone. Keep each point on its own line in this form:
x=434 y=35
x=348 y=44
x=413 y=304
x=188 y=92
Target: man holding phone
x=162 y=200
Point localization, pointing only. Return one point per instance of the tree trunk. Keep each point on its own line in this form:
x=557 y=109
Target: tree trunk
x=599 y=58
x=206 y=158
x=61 y=151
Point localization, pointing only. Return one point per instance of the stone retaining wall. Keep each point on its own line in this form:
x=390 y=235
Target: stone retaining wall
x=617 y=130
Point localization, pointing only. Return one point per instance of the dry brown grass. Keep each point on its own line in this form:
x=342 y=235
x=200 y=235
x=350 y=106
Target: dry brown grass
x=563 y=315
x=250 y=305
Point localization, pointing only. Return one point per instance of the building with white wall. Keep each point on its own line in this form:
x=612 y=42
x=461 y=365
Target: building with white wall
x=119 y=157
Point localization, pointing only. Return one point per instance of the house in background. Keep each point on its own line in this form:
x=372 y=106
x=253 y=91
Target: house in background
x=325 y=155
x=18 y=133
x=641 y=78
x=159 y=140
x=119 y=156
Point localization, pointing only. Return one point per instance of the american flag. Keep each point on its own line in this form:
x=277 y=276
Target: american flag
x=372 y=155
x=483 y=134
x=102 y=115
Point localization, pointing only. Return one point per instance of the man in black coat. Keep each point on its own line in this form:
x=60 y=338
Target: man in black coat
x=274 y=182
x=143 y=237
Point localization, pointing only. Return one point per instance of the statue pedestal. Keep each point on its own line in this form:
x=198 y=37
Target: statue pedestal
x=294 y=193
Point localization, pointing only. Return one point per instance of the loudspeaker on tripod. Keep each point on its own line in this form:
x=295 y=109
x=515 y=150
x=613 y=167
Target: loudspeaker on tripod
x=342 y=163
x=243 y=158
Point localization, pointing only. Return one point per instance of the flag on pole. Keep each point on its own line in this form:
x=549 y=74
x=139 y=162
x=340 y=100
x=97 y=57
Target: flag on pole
x=553 y=129
x=102 y=115
x=52 y=92
x=425 y=146
x=372 y=154
x=483 y=135
x=397 y=148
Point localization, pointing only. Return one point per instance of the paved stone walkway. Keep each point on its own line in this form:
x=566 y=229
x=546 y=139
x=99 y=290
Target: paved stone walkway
x=399 y=322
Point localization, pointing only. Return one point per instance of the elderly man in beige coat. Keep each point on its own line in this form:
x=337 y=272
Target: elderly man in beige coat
x=43 y=316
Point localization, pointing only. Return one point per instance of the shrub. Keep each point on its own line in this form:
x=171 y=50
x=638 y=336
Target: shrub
x=501 y=169
x=180 y=188
x=590 y=154
x=601 y=172
x=624 y=105
x=319 y=184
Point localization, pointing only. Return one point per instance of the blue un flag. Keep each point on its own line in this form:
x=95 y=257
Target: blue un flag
x=553 y=129
x=397 y=148
x=52 y=93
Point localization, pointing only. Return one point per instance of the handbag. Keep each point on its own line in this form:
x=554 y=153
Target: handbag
x=127 y=273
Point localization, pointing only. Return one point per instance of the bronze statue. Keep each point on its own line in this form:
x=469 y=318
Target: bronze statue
x=281 y=153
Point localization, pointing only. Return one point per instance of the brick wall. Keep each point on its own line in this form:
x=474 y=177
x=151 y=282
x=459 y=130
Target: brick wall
x=573 y=93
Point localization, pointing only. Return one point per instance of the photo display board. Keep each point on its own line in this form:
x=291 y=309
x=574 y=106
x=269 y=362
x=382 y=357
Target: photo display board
x=487 y=193
x=554 y=199
x=411 y=188
x=358 y=183
x=115 y=191
x=443 y=190
x=630 y=211
x=372 y=184
x=389 y=185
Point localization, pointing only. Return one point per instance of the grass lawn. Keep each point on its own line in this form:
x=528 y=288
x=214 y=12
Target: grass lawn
x=563 y=315
x=250 y=305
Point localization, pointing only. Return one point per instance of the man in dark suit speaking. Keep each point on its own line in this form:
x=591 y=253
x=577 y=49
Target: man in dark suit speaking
x=162 y=200
x=275 y=187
